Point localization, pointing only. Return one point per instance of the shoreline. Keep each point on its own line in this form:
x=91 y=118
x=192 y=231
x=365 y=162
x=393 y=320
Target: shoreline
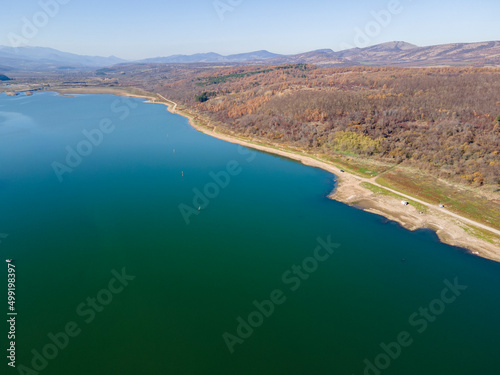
x=451 y=228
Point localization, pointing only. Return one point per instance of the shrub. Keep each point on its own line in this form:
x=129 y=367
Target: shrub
x=357 y=143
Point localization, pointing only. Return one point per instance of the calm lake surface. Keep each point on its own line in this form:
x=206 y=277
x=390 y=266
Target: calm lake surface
x=186 y=288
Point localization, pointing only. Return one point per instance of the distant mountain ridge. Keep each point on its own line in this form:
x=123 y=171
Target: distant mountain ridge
x=211 y=57
x=405 y=54
x=26 y=58
x=395 y=53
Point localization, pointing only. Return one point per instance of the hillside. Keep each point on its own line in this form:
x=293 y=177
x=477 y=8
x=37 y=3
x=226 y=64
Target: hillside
x=404 y=54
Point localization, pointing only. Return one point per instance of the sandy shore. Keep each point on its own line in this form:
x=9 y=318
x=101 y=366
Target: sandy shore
x=133 y=93
x=451 y=228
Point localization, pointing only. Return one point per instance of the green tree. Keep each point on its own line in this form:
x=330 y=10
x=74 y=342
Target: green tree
x=203 y=97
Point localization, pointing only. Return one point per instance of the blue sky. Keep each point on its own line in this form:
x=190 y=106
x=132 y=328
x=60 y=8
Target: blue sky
x=134 y=29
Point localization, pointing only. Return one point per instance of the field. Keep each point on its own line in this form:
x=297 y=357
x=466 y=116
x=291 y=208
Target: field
x=468 y=201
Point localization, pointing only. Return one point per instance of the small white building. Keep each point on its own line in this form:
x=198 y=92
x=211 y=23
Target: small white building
x=404 y=203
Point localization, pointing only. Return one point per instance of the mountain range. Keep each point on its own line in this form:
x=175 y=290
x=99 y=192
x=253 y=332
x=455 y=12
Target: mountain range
x=42 y=58
x=405 y=54
x=385 y=54
x=391 y=53
x=212 y=57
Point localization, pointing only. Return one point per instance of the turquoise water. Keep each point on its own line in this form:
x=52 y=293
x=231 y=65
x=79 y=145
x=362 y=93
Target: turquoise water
x=189 y=283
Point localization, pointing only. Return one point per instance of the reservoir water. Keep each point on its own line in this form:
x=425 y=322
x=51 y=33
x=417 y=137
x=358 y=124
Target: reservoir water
x=142 y=246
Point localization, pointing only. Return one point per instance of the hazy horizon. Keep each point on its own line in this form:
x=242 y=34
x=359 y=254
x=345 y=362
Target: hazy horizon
x=159 y=28
x=235 y=53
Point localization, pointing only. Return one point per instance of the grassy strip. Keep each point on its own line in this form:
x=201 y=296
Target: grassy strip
x=457 y=200
x=379 y=190
x=482 y=234
x=357 y=166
